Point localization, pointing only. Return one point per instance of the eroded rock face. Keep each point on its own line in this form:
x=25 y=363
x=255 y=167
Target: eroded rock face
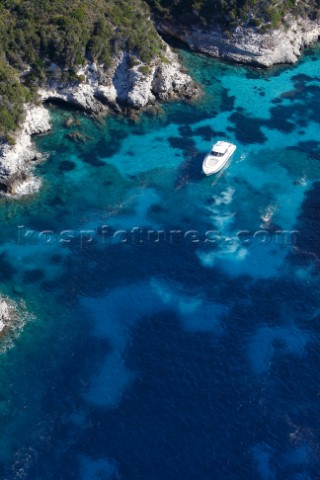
x=15 y=172
x=37 y=120
x=248 y=45
x=14 y=158
x=13 y=316
x=20 y=184
x=4 y=315
x=122 y=88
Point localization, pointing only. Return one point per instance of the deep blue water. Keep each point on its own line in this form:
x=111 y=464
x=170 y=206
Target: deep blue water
x=155 y=354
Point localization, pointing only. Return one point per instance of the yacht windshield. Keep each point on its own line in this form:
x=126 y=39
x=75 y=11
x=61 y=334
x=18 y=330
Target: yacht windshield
x=216 y=154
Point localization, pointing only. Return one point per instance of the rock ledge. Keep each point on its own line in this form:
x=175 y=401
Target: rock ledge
x=249 y=45
x=122 y=88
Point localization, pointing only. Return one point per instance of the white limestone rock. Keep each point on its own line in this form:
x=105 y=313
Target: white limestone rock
x=170 y=81
x=13 y=158
x=4 y=315
x=248 y=45
x=81 y=96
x=122 y=87
x=13 y=317
x=15 y=172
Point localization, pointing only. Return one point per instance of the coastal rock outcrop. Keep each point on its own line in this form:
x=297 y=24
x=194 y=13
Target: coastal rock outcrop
x=250 y=45
x=4 y=314
x=170 y=81
x=13 y=316
x=127 y=85
x=123 y=86
x=16 y=176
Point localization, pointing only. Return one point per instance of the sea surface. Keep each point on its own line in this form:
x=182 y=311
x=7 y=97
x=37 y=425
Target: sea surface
x=172 y=320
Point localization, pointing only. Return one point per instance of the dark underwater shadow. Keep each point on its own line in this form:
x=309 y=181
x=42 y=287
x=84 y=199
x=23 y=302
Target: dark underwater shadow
x=190 y=171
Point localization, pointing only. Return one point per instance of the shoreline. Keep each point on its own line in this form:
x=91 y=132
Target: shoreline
x=129 y=88
x=17 y=161
x=123 y=89
x=247 y=45
x=13 y=316
x=5 y=317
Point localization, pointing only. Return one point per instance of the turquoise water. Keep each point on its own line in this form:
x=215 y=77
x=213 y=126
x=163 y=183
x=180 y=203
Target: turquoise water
x=188 y=346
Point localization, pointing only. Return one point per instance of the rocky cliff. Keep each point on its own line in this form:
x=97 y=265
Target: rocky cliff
x=249 y=45
x=122 y=88
x=9 y=316
x=16 y=161
x=13 y=316
x=4 y=315
x=130 y=85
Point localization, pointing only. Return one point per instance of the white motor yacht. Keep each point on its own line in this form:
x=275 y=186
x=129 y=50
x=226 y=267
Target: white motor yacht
x=218 y=157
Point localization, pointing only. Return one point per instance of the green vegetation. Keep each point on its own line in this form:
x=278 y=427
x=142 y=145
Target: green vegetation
x=69 y=31
x=12 y=97
x=144 y=69
x=34 y=33
x=230 y=13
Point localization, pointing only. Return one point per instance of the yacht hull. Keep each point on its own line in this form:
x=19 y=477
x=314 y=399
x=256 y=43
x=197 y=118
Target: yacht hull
x=212 y=164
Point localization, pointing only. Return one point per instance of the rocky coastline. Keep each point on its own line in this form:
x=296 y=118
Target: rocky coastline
x=130 y=86
x=5 y=318
x=17 y=161
x=13 y=316
x=249 y=45
x=123 y=88
x=8 y=315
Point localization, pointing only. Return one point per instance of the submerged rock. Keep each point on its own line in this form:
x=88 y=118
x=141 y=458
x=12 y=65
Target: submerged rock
x=68 y=122
x=78 y=137
x=71 y=121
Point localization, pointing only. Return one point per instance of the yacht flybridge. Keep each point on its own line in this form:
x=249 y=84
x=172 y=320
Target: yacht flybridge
x=218 y=157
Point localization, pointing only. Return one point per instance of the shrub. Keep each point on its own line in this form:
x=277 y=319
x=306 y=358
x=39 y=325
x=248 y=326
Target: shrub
x=145 y=69
x=69 y=34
